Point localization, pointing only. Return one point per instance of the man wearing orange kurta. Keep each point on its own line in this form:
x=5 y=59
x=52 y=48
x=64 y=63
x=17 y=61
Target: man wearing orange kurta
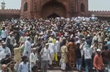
x=71 y=53
x=98 y=62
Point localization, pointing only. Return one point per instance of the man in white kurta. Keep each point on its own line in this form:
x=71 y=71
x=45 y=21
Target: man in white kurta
x=27 y=48
x=52 y=52
x=57 y=47
x=4 y=34
x=33 y=58
x=22 y=39
x=6 y=49
x=11 y=39
x=2 y=53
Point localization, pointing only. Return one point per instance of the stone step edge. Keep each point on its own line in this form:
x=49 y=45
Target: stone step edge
x=58 y=68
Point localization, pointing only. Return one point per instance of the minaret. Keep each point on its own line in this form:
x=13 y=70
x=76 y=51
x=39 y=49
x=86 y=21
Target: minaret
x=3 y=5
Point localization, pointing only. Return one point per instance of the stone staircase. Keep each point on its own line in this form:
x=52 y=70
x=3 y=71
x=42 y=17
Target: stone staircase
x=57 y=68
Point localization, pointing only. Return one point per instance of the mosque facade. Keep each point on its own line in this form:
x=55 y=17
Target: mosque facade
x=51 y=8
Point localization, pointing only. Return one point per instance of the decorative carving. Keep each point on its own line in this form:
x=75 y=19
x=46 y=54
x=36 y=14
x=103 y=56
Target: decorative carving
x=102 y=13
x=8 y=11
x=72 y=6
x=72 y=11
x=35 y=6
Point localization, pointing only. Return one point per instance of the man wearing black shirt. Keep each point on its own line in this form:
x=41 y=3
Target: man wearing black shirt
x=78 y=58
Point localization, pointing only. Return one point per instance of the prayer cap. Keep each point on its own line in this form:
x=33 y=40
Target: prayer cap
x=34 y=49
x=77 y=37
x=47 y=44
x=98 y=50
x=4 y=43
x=11 y=32
x=32 y=44
x=83 y=39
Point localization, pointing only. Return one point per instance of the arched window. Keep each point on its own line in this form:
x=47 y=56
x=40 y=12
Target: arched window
x=25 y=6
x=82 y=7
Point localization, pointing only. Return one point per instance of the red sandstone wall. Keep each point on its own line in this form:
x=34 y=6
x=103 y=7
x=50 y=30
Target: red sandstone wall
x=10 y=11
x=85 y=2
x=100 y=13
x=72 y=8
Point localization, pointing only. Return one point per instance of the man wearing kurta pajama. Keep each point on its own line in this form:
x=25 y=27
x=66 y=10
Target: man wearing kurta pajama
x=27 y=48
x=52 y=52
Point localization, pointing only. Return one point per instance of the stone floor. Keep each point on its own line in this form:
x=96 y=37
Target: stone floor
x=64 y=71
x=59 y=71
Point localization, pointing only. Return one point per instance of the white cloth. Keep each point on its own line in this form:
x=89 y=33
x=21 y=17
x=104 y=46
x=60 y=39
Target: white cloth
x=94 y=48
x=77 y=21
x=66 y=34
x=51 y=48
x=33 y=59
x=16 y=66
x=22 y=39
x=7 y=51
x=82 y=53
x=57 y=47
x=77 y=41
x=2 y=53
x=94 y=38
x=87 y=53
x=63 y=66
x=45 y=54
x=27 y=48
x=52 y=52
x=100 y=39
x=4 y=33
x=23 y=67
x=51 y=58
x=12 y=39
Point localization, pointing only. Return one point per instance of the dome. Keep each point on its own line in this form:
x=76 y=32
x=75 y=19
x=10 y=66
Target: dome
x=3 y=5
x=2 y=2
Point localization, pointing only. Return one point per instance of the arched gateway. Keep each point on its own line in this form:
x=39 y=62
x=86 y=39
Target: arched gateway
x=53 y=16
x=53 y=9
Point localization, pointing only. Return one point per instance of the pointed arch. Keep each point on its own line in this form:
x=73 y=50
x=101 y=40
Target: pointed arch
x=54 y=15
x=53 y=7
x=82 y=8
x=25 y=6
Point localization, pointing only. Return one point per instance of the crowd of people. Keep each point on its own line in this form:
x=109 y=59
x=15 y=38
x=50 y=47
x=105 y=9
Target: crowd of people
x=29 y=45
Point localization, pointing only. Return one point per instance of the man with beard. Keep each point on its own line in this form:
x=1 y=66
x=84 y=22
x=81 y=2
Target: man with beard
x=24 y=65
x=27 y=48
x=98 y=62
x=4 y=68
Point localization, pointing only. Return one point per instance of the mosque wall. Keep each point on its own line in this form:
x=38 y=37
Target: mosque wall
x=47 y=8
x=9 y=13
x=62 y=8
x=100 y=13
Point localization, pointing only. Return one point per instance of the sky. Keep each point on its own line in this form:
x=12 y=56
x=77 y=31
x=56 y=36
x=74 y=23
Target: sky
x=93 y=4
